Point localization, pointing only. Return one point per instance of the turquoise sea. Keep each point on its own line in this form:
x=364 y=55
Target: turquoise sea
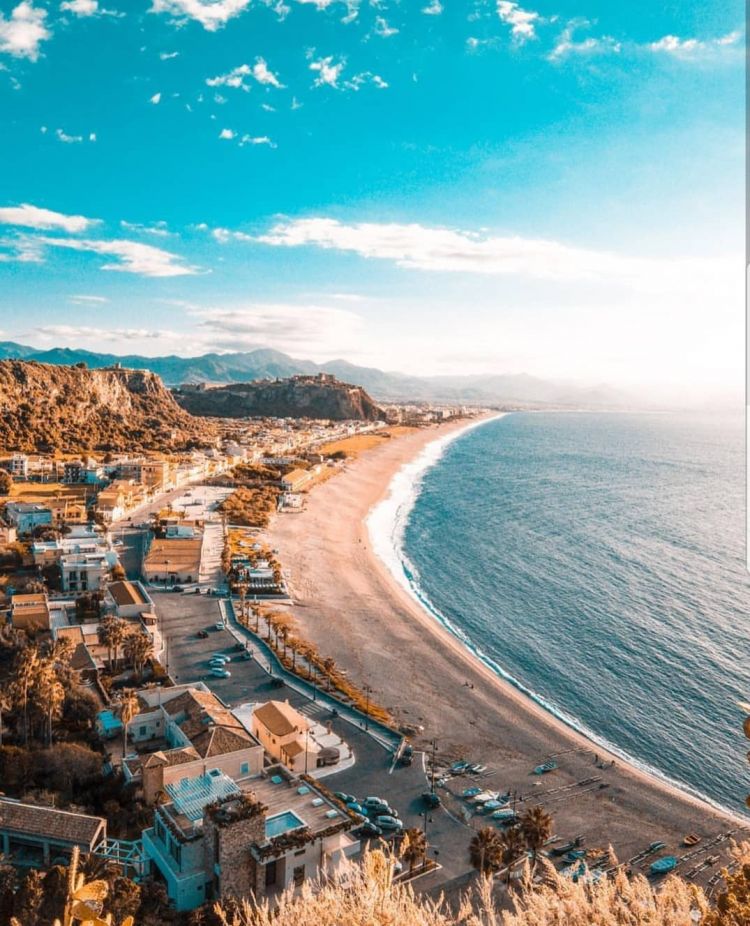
x=596 y=560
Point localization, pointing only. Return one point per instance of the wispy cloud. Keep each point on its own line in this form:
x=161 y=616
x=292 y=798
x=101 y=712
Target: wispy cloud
x=79 y=299
x=87 y=333
x=211 y=14
x=328 y=70
x=131 y=256
x=418 y=247
x=86 y=8
x=66 y=139
x=28 y=216
x=567 y=44
x=522 y=22
x=383 y=28
x=157 y=228
x=155 y=99
x=168 y=55
x=688 y=48
x=434 y=8
x=236 y=78
x=23 y=31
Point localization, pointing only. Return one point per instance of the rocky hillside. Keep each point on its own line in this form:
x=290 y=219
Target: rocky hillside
x=73 y=409
x=321 y=396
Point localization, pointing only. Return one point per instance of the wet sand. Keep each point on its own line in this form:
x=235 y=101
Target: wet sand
x=353 y=609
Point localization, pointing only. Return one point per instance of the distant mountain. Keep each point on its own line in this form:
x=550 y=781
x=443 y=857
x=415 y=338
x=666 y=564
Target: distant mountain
x=264 y=363
x=316 y=396
x=73 y=409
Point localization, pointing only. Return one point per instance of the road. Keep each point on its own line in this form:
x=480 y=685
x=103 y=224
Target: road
x=181 y=616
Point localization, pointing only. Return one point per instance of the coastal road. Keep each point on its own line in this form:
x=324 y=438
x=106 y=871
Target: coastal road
x=181 y=616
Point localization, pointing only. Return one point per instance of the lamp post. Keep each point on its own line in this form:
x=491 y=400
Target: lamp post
x=368 y=692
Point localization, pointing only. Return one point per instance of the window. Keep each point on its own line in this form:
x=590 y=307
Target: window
x=271 y=873
x=299 y=875
x=142 y=730
x=245 y=768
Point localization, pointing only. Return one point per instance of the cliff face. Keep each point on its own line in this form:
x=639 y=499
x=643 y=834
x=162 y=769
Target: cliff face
x=72 y=409
x=298 y=397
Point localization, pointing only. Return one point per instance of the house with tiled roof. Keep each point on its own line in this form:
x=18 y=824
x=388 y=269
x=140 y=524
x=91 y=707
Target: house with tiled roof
x=36 y=836
x=285 y=734
x=182 y=732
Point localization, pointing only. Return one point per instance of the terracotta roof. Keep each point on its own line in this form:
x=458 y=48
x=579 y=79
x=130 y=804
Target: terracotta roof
x=280 y=718
x=211 y=728
x=126 y=593
x=49 y=823
x=294 y=748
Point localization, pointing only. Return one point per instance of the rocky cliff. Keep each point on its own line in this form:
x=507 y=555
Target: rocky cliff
x=320 y=396
x=73 y=409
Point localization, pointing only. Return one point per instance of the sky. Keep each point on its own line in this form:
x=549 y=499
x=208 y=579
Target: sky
x=435 y=187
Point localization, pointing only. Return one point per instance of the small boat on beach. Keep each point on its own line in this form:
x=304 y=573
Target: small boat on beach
x=663 y=865
x=692 y=839
x=549 y=766
x=504 y=814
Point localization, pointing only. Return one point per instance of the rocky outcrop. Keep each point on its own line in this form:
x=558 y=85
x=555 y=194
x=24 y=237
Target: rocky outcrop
x=320 y=396
x=73 y=409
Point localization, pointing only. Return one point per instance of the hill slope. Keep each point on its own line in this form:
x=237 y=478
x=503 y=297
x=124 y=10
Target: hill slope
x=384 y=386
x=298 y=397
x=73 y=409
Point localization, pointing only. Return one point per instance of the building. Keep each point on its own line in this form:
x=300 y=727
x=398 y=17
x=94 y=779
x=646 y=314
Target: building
x=119 y=498
x=26 y=516
x=35 y=836
x=86 y=572
x=82 y=472
x=173 y=561
x=30 y=612
x=296 y=480
x=17 y=465
x=285 y=735
x=180 y=732
x=214 y=839
x=128 y=599
x=8 y=534
x=82 y=662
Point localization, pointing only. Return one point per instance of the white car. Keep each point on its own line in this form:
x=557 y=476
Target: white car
x=220 y=656
x=220 y=673
x=220 y=625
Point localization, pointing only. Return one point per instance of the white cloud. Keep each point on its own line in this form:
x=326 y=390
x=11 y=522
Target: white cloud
x=77 y=333
x=521 y=22
x=131 y=256
x=92 y=136
x=418 y=247
x=168 y=55
x=23 y=31
x=27 y=216
x=686 y=48
x=257 y=140
x=567 y=45
x=315 y=331
x=328 y=71
x=434 y=8
x=79 y=299
x=158 y=228
x=236 y=77
x=383 y=29
x=68 y=139
x=155 y=99
x=211 y=14
x=227 y=134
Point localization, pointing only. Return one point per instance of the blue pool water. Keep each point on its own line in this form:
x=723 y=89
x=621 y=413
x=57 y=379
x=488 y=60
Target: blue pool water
x=282 y=823
x=598 y=562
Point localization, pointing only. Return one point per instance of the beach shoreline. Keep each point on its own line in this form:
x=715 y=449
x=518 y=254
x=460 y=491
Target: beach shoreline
x=374 y=626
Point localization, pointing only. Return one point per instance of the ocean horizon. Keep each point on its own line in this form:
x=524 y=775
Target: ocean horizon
x=595 y=562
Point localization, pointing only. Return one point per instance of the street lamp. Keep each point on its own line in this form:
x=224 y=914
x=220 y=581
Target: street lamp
x=368 y=692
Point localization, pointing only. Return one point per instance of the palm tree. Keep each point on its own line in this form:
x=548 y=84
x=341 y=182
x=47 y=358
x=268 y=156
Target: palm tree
x=48 y=695
x=329 y=665
x=513 y=845
x=414 y=847
x=24 y=674
x=256 y=614
x=138 y=648
x=485 y=850
x=293 y=644
x=106 y=634
x=128 y=707
x=536 y=827
x=119 y=633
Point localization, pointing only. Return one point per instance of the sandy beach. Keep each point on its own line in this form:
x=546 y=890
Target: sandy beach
x=348 y=603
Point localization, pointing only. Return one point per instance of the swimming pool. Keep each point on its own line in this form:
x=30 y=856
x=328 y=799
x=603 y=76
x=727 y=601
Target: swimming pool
x=283 y=823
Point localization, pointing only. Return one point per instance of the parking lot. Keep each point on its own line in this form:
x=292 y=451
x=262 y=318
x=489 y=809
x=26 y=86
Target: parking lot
x=181 y=616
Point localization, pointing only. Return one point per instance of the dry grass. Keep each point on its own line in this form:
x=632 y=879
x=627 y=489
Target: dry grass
x=360 y=443
x=42 y=491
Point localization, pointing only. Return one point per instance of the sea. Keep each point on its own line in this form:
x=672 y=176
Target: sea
x=597 y=562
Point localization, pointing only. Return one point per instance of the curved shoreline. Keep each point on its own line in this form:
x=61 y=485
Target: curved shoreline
x=386 y=524
x=352 y=607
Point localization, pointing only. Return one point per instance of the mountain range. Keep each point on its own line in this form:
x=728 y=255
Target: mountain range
x=262 y=363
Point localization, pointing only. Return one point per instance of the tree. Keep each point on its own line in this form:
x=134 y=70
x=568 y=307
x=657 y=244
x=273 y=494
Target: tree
x=329 y=665
x=24 y=673
x=128 y=708
x=28 y=900
x=6 y=704
x=112 y=632
x=485 y=850
x=138 y=647
x=6 y=482
x=414 y=847
x=47 y=696
x=513 y=845
x=536 y=827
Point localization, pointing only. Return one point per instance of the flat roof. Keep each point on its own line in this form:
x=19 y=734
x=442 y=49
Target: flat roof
x=175 y=551
x=127 y=593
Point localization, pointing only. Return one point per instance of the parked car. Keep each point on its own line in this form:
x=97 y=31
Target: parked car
x=220 y=625
x=178 y=588
x=373 y=801
x=344 y=797
x=431 y=799
x=387 y=822
x=276 y=682
x=247 y=654
x=356 y=808
x=407 y=755
x=222 y=656
x=202 y=634
x=368 y=830
x=220 y=673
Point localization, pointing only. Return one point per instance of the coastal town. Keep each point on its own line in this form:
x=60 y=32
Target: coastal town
x=173 y=711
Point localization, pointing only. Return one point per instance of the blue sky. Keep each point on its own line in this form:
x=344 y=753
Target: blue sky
x=438 y=186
